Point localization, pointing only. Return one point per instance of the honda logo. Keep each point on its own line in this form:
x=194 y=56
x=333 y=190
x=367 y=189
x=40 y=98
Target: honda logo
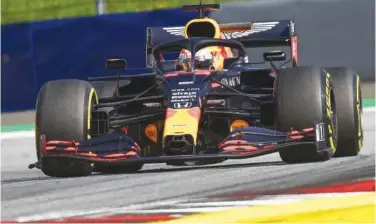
x=183 y=105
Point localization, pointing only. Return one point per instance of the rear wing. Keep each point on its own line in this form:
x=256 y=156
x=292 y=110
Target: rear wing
x=261 y=34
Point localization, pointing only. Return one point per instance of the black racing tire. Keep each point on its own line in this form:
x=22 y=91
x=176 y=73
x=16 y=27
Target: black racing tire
x=304 y=96
x=346 y=85
x=66 y=168
x=63 y=112
x=119 y=169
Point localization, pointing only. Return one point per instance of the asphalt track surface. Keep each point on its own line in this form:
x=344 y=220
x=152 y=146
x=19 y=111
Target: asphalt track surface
x=29 y=192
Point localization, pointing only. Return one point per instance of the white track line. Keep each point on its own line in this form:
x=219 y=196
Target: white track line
x=269 y=200
x=105 y=211
x=17 y=134
x=369 y=109
x=183 y=206
x=220 y=204
x=181 y=210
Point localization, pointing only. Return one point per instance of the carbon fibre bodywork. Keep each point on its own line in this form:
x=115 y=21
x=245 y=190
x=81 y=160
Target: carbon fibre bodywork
x=198 y=115
x=119 y=149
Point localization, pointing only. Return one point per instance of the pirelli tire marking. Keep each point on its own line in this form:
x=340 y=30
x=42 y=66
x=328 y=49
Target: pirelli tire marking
x=329 y=112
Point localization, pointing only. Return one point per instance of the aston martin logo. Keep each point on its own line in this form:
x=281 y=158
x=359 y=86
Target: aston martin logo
x=177 y=31
x=256 y=28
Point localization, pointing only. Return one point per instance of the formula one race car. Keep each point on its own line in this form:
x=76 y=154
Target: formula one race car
x=196 y=110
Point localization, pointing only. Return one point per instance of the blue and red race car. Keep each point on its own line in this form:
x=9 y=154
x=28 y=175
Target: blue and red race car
x=196 y=108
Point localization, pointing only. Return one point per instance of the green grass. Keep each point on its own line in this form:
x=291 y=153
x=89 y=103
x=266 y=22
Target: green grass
x=141 y=5
x=14 y=11
x=34 y=10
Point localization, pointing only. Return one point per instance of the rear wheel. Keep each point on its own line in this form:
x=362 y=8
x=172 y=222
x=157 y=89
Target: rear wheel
x=63 y=112
x=346 y=86
x=304 y=96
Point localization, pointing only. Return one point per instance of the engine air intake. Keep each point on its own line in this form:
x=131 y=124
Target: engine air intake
x=202 y=28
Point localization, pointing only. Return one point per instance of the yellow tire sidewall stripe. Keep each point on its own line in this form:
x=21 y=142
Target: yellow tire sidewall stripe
x=359 y=126
x=328 y=112
x=91 y=94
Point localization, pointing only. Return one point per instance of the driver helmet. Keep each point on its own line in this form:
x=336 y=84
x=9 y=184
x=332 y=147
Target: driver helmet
x=206 y=58
x=184 y=60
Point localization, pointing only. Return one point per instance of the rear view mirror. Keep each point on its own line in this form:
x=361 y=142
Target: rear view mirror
x=274 y=56
x=116 y=64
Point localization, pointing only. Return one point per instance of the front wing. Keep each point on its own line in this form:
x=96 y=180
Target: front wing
x=119 y=149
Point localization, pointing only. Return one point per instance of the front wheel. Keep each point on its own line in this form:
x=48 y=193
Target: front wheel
x=63 y=112
x=304 y=96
